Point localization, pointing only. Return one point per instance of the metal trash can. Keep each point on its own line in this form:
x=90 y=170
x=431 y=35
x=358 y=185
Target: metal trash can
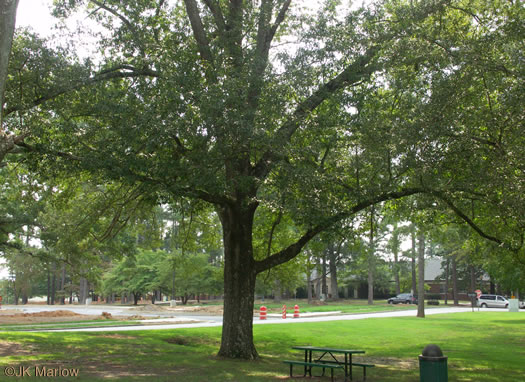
x=433 y=365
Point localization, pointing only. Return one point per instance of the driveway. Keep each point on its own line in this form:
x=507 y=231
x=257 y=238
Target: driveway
x=212 y=321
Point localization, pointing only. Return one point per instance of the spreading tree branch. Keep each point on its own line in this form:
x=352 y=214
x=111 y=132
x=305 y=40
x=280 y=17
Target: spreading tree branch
x=354 y=73
x=216 y=11
x=294 y=249
x=116 y=72
x=199 y=33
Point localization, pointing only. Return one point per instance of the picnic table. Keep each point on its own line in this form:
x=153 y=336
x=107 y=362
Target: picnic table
x=327 y=359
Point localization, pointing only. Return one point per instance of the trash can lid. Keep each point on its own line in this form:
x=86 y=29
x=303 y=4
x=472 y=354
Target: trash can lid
x=432 y=351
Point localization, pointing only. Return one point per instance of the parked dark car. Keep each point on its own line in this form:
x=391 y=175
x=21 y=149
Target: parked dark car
x=403 y=298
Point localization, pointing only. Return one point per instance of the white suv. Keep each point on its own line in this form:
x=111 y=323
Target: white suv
x=492 y=301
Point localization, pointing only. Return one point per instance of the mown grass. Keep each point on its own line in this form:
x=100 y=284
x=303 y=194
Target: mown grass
x=66 y=325
x=481 y=346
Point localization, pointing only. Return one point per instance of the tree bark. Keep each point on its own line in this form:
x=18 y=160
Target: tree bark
x=15 y=292
x=309 y=285
x=53 y=284
x=421 y=276
x=371 y=261
x=7 y=28
x=455 y=281
x=317 y=280
x=83 y=291
x=62 y=285
x=48 y=285
x=396 y=272
x=239 y=282
x=333 y=272
x=473 y=280
x=413 y=261
x=324 y=286
x=447 y=278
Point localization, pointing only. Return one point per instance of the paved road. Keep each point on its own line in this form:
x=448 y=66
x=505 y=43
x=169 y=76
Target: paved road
x=212 y=321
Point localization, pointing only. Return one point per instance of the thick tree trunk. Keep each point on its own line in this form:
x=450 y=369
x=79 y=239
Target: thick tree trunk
x=239 y=283
x=421 y=276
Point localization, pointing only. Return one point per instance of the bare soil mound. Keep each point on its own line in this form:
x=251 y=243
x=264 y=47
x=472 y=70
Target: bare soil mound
x=150 y=308
x=54 y=313
x=40 y=317
x=208 y=309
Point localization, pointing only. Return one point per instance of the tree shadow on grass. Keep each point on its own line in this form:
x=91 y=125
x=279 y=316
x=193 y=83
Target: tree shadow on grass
x=510 y=322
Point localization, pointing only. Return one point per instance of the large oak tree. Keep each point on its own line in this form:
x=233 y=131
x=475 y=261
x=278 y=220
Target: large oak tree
x=254 y=106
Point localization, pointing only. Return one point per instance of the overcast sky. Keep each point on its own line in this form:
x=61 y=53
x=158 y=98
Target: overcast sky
x=36 y=13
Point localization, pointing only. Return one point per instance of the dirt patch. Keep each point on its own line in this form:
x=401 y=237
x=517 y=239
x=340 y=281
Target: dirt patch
x=54 y=313
x=392 y=362
x=150 y=308
x=117 y=336
x=136 y=317
x=211 y=309
x=48 y=316
x=7 y=312
x=107 y=315
x=178 y=341
x=190 y=341
x=14 y=349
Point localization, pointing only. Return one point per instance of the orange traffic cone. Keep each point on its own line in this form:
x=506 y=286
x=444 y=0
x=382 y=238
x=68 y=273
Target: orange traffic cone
x=262 y=313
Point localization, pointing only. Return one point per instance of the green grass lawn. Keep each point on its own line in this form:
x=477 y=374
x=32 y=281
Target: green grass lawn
x=66 y=325
x=481 y=346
